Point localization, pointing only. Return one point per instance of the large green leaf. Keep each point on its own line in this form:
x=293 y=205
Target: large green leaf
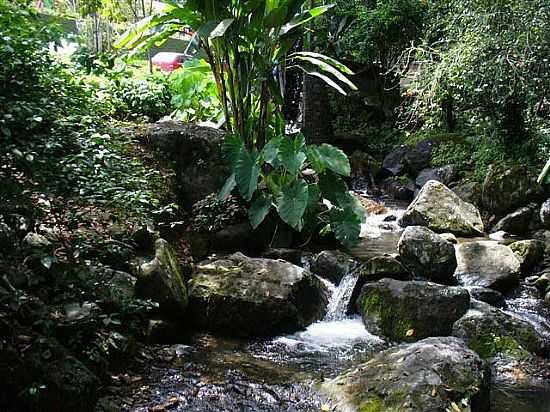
x=247 y=172
x=332 y=186
x=325 y=67
x=304 y=18
x=259 y=210
x=270 y=151
x=221 y=28
x=232 y=147
x=291 y=154
x=326 y=156
x=346 y=226
x=292 y=204
x=228 y=187
x=340 y=66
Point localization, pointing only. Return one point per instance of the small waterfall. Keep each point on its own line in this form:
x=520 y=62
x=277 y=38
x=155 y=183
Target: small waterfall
x=340 y=297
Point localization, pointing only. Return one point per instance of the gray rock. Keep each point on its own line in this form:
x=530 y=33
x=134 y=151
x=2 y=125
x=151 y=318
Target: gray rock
x=332 y=265
x=543 y=282
x=509 y=187
x=449 y=237
x=426 y=376
x=516 y=223
x=547 y=299
x=410 y=159
x=37 y=241
x=427 y=255
x=162 y=281
x=290 y=255
x=443 y=174
x=439 y=209
x=118 y=291
x=490 y=331
x=384 y=266
x=487 y=264
x=242 y=296
x=400 y=187
x=195 y=154
x=469 y=191
x=410 y=311
x=529 y=253
x=490 y=296
x=545 y=214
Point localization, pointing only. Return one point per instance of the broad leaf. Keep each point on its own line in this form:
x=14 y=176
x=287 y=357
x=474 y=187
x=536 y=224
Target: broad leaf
x=231 y=149
x=221 y=28
x=228 y=187
x=247 y=172
x=270 y=152
x=340 y=66
x=292 y=204
x=346 y=226
x=291 y=154
x=259 y=210
x=326 y=156
x=332 y=186
x=325 y=67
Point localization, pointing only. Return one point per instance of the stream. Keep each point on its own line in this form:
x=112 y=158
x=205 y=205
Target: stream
x=211 y=373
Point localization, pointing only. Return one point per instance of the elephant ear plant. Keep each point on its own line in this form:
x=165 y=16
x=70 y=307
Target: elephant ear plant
x=248 y=44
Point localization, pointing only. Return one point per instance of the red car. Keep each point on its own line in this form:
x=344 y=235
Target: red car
x=167 y=61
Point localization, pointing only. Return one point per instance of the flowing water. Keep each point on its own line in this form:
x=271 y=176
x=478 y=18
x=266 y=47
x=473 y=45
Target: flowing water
x=209 y=373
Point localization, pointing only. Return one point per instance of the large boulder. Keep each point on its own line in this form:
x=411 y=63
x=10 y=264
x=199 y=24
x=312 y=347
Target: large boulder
x=427 y=255
x=242 y=296
x=516 y=223
x=490 y=296
x=441 y=210
x=195 y=154
x=545 y=214
x=444 y=174
x=408 y=159
x=162 y=281
x=490 y=331
x=508 y=187
x=399 y=187
x=529 y=253
x=332 y=265
x=487 y=264
x=468 y=190
x=427 y=376
x=410 y=311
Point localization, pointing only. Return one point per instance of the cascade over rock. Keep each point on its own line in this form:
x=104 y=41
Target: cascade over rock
x=242 y=296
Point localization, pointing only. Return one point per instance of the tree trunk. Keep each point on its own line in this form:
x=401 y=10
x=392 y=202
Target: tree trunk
x=317 y=116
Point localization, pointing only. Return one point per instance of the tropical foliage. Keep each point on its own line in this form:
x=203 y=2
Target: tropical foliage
x=248 y=46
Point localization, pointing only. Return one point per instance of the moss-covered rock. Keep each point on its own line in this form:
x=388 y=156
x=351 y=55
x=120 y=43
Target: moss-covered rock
x=487 y=264
x=516 y=223
x=162 y=281
x=529 y=253
x=441 y=210
x=508 y=187
x=426 y=376
x=242 y=296
x=409 y=311
x=427 y=255
x=490 y=331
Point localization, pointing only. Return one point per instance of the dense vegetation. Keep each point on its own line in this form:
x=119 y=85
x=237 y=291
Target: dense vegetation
x=85 y=193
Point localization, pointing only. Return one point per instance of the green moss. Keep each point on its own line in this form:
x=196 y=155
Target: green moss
x=393 y=321
x=488 y=346
x=372 y=405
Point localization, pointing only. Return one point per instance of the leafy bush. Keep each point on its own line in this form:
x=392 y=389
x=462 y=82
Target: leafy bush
x=212 y=214
x=293 y=179
x=138 y=98
x=90 y=61
x=194 y=92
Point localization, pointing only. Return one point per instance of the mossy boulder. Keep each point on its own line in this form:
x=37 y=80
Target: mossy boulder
x=529 y=253
x=490 y=331
x=507 y=187
x=426 y=376
x=441 y=210
x=410 y=311
x=162 y=281
x=487 y=264
x=427 y=255
x=468 y=190
x=242 y=296
x=444 y=174
x=490 y=296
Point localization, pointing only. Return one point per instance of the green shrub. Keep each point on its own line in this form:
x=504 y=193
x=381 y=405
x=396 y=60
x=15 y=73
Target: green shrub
x=148 y=98
x=212 y=214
